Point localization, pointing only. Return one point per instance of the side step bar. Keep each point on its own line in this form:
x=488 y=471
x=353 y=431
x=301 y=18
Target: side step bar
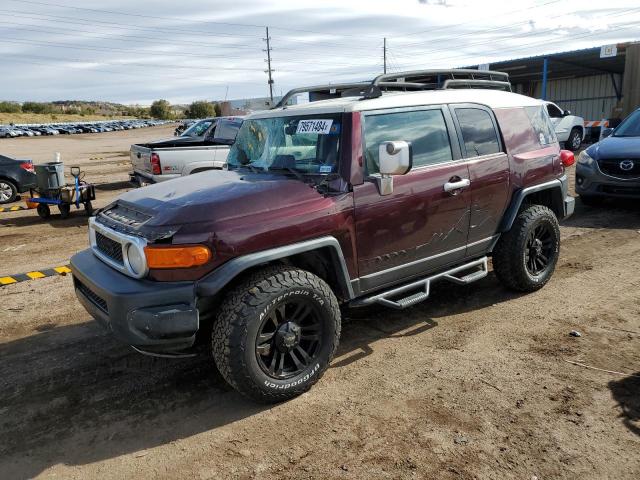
x=419 y=290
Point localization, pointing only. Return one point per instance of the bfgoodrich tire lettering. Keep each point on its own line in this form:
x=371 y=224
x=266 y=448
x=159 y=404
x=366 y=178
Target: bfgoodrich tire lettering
x=257 y=325
x=525 y=257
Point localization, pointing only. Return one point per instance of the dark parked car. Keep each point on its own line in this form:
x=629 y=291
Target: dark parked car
x=16 y=176
x=611 y=167
x=362 y=199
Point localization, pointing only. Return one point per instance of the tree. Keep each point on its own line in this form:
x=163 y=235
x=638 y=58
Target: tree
x=201 y=109
x=161 y=109
x=10 y=107
x=218 y=109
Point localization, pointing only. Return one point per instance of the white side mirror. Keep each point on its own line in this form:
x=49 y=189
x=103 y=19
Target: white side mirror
x=395 y=158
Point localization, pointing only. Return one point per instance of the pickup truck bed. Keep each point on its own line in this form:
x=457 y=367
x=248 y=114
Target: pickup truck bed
x=180 y=156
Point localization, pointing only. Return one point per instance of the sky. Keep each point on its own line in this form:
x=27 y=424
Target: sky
x=134 y=52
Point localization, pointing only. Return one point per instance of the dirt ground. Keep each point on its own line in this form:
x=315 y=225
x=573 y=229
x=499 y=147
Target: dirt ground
x=474 y=383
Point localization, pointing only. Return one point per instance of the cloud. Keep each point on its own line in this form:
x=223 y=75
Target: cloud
x=135 y=52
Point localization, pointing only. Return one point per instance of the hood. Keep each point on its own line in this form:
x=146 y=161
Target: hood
x=216 y=196
x=615 y=147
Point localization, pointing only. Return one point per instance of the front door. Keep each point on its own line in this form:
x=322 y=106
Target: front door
x=423 y=225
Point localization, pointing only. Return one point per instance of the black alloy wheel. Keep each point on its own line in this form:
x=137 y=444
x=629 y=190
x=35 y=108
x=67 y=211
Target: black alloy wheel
x=539 y=249
x=289 y=338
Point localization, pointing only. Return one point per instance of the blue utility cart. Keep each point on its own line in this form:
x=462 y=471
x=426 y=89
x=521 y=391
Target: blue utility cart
x=52 y=190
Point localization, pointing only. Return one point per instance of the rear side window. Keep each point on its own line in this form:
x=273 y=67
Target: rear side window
x=541 y=125
x=424 y=129
x=478 y=133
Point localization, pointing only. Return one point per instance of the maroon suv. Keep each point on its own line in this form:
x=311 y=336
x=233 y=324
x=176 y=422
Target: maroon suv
x=364 y=196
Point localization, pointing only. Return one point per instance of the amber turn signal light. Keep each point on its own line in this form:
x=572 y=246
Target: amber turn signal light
x=177 y=257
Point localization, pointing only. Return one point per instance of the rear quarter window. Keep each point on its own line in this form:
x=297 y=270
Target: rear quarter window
x=541 y=125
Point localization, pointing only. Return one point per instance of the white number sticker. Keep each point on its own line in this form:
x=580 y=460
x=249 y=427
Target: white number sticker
x=321 y=127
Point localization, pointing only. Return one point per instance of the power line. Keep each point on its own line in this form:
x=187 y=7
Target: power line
x=528 y=45
x=120 y=26
x=446 y=27
x=60 y=31
x=493 y=40
x=247 y=25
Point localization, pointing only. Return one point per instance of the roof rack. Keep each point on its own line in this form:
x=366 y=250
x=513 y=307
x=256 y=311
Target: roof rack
x=438 y=79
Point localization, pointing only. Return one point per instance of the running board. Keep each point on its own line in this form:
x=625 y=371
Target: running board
x=419 y=290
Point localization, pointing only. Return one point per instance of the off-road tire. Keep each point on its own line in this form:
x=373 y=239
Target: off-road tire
x=572 y=142
x=239 y=320
x=88 y=209
x=509 y=255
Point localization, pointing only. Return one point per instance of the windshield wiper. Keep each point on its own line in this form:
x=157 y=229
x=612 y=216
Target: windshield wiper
x=293 y=171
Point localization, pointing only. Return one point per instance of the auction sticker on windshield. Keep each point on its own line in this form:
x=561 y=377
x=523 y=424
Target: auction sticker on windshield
x=319 y=126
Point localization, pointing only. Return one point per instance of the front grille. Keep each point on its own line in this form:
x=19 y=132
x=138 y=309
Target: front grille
x=96 y=299
x=612 y=167
x=109 y=247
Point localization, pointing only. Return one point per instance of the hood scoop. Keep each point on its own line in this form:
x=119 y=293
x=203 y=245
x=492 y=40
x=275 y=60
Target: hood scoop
x=131 y=219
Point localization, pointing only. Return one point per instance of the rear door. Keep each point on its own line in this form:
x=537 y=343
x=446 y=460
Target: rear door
x=420 y=226
x=482 y=147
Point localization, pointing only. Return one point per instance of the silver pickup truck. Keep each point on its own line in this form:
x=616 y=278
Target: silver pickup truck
x=204 y=146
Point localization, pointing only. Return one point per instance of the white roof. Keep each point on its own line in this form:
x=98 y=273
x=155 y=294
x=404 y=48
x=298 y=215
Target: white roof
x=491 y=98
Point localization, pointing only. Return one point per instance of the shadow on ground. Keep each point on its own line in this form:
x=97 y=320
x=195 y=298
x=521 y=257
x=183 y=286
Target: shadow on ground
x=627 y=393
x=613 y=213
x=30 y=217
x=73 y=395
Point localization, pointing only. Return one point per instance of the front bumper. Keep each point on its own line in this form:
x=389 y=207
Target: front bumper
x=590 y=181
x=159 y=317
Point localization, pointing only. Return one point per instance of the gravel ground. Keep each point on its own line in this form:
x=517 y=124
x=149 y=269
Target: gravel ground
x=474 y=383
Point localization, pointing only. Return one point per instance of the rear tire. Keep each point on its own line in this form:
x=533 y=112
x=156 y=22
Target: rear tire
x=575 y=140
x=8 y=191
x=276 y=333
x=525 y=257
x=88 y=209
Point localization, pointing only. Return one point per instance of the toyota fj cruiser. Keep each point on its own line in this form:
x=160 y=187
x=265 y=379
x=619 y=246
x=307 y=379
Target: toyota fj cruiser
x=363 y=196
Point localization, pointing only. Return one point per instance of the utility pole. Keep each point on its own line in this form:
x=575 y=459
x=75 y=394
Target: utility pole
x=384 y=54
x=268 y=71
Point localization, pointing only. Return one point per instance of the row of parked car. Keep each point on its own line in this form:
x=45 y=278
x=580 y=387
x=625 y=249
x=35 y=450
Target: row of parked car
x=13 y=131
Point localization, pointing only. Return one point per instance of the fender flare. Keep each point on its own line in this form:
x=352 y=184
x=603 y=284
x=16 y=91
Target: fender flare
x=215 y=281
x=559 y=188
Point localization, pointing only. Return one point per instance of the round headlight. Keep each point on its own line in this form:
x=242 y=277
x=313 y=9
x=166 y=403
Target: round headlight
x=136 y=259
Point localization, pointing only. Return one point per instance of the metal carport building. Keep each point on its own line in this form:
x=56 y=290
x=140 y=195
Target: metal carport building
x=594 y=83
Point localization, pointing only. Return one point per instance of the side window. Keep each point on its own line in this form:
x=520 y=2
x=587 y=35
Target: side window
x=553 y=111
x=478 y=133
x=424 y=129
x=541 y=125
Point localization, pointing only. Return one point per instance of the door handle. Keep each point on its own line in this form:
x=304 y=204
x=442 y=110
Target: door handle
x=457 y=185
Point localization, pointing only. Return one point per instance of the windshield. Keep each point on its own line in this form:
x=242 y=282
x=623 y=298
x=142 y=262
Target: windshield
x=197 y=129
x=630 y=126
x=306 y=144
